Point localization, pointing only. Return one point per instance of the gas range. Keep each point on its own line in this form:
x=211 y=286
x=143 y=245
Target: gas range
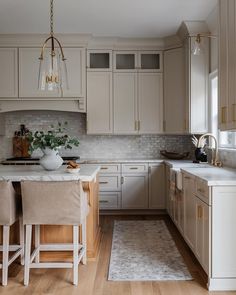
x=33 y=161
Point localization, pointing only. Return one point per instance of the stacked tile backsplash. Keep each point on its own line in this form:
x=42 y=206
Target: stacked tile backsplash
x=92 y=146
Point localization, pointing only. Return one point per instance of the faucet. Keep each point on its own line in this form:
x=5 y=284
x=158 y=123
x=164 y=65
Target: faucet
x=215 y=158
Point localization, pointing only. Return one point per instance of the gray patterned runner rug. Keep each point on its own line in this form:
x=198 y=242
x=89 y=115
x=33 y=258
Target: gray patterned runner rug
x=143 y=250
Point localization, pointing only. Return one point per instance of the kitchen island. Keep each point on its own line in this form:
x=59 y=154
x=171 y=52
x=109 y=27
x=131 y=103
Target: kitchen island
x=54 y=233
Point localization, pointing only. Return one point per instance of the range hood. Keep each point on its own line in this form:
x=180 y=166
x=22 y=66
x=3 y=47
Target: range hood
x=44 y=104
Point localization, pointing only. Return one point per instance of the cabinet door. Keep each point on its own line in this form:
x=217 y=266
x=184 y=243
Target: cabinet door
x=181 y=211
x=150 y=61
x=174 y=91
x=9 y=73
x=125 y=103
x=109 y=200
x=198 y=81
x=99 y=60
x=135 y=191
x=202 y=233
x=125 y=61
x=156 y=187
x=99 y=102
x=223 y=64
x=189 y=212
x=150 y=103
x=76 y=69
x=28 y=74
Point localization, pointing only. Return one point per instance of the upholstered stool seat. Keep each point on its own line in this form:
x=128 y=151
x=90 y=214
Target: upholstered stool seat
x=54 y=203
x=10 y=212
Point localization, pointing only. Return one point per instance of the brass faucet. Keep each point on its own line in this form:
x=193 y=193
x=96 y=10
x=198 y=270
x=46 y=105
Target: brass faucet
x=215 y=157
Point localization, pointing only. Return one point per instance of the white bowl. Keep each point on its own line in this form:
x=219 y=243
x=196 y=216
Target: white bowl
x=73 y=170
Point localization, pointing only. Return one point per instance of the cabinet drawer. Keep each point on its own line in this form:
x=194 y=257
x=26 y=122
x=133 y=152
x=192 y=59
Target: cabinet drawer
x=109 y=200
x=110 y=168
x=109 y=182
x=134 y=168
x=202 y=191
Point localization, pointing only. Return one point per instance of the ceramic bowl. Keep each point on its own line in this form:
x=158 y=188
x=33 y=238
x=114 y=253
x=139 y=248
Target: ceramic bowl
x=73 y=170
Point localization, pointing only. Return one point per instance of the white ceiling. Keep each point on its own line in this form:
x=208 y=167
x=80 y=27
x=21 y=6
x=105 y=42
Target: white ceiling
x=118 y=18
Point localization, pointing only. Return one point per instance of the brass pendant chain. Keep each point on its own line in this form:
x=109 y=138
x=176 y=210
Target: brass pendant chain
x=51 y=17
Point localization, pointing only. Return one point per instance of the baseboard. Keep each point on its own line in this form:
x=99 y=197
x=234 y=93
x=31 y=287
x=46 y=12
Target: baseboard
x=227 y=284
x=134 y=212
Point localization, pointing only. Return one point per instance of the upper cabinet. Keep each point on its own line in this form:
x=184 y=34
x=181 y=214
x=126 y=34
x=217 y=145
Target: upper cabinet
x=174 y=90
x=29 y=67
x=197 y=77
x=99 y=60
x=143 y=61
x=9 y=73
x=227 y=65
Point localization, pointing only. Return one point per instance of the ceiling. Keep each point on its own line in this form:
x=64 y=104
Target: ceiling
x=118 y=18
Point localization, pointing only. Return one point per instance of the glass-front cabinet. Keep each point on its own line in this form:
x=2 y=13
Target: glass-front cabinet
x=99 y=60
x=143 y=61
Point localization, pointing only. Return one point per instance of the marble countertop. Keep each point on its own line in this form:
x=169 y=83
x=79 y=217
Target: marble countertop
x=213 y=176
x=119 y=160
x=87 y=173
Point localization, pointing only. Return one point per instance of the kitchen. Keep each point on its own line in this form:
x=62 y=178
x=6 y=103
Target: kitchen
x=125 y=106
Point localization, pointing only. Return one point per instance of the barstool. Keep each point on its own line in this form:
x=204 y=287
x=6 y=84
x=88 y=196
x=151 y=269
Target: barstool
x=54 y=203
x=10 y=212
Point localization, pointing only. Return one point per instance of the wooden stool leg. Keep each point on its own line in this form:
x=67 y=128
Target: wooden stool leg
x=37 y=241
x=5 y=254
x=22 y=240
x=84 y=241
x=27 y=253
x=75 y=254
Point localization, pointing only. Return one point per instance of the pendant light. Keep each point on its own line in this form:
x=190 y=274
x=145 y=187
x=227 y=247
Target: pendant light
x=197 y=46
x=52 y=67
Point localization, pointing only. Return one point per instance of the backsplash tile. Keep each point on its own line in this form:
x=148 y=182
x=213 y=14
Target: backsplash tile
x=92 y=146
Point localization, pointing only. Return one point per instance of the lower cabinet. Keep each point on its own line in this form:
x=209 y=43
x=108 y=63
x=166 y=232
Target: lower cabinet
x=132 y=186
x=189 y=211
x=135 y=191
x=202 y=233
x=109 y=200
x=156 y=186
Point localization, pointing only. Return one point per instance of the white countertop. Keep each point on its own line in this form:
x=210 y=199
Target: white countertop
x=213 y=176
x=119 y=160
x=87 y=173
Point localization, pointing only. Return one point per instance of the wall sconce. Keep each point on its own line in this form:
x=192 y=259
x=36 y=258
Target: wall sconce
x=197 y=47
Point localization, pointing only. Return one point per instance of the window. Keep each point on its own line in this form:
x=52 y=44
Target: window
x=227 y=139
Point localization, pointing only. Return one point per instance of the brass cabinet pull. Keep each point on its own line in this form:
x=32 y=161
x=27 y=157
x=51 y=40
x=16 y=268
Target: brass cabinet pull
x=104 y=168
x=122 y=180
x=223 y=115
x=233 y=112
x=199 y=212
x=133 y=168
x=187 y=177
x=139 y=125
x=103 y=182
x=103 y=201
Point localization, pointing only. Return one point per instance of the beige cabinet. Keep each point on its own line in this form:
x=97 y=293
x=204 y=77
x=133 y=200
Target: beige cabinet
x=174 y=91
x=202 y=233
x=189 y=211
x=28 y=74
x=157 y=186
x=138 y=103
x=150 y=103
x=197 y=76
x=99 y=102
x=135 y=191
x=9 y=73
x=125 y=103
x=227 y=65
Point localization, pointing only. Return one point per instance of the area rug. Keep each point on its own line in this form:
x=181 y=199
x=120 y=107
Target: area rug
x=143 y=250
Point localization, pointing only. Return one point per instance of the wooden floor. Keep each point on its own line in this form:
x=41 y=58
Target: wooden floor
x=93 y=276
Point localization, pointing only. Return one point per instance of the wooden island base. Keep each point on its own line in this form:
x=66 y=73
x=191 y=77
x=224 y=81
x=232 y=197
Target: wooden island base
x=63 y=234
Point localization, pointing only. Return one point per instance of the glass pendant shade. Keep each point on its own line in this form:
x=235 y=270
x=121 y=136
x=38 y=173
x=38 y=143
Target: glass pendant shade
x=52 y=72
x=197 y=48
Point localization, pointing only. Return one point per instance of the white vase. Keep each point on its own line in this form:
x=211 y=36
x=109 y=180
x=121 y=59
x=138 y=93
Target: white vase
x=51 y=160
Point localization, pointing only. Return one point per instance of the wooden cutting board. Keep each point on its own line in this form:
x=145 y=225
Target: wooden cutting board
x=20 y=147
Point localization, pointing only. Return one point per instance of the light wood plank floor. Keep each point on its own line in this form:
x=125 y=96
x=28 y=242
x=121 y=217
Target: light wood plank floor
x=93 y=277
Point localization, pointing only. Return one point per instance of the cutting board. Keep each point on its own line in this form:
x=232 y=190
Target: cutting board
x=20 y=147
